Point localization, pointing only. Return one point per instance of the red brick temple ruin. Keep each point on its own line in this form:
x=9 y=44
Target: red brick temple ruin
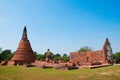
x=24 y=53
x=100 y=57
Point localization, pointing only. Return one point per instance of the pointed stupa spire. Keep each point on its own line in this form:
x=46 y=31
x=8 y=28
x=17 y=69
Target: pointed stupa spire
x=24 y=35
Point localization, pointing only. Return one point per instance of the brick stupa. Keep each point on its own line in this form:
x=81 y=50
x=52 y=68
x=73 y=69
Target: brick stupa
x=24 y=53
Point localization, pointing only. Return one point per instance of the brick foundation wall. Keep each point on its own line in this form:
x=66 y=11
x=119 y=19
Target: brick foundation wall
x=84 y=58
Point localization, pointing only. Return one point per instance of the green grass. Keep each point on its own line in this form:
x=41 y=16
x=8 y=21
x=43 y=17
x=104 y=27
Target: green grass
x=33 y=73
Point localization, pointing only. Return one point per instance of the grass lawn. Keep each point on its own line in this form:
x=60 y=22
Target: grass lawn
x=33 y=73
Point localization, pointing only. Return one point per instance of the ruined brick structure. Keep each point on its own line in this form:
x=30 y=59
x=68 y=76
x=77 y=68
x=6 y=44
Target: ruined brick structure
x=24 y=53
x=104 y=56
x=48 y=55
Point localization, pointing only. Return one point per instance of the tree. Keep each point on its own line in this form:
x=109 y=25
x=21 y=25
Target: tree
x=36 y=54
x=0 y=49
x=117 y=56
x=57 y=56
x=6 y=55
x=85 y=49
x=65 y=57
x=40 y=56
x=0 y=54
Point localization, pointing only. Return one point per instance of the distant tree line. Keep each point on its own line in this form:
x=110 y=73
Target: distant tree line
x=8 y=54
x=57 y=56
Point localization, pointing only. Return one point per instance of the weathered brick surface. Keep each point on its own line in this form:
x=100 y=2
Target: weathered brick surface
x=24 y=53
x=81 y=58
x=93 y=58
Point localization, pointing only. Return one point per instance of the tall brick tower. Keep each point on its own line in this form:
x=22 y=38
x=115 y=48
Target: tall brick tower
x=24 y=53
x=108 y=51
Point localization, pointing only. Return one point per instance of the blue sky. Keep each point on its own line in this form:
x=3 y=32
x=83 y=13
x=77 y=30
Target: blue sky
x=63 y=26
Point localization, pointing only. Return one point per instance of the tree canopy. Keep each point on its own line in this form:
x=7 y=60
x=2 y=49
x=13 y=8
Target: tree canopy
x=65 y=57
x=6 y=54
x=57 y=56
x=117 y=56
x=85 y=49
x=40 y=56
